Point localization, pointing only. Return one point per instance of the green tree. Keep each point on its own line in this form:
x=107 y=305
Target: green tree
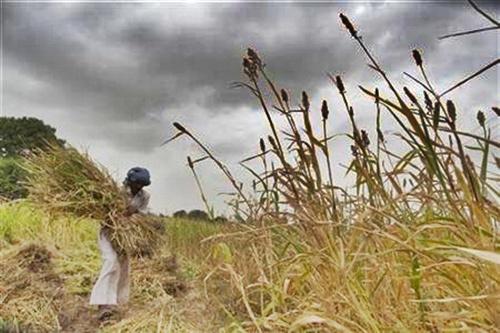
x=18 y=136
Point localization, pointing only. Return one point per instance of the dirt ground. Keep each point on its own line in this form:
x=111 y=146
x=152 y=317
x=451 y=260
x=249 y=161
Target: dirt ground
x=34 y=295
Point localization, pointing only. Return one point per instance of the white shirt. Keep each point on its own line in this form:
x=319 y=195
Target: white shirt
x=138 y=203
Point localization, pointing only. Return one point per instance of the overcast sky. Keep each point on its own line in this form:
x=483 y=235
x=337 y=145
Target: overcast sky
x=112 y=77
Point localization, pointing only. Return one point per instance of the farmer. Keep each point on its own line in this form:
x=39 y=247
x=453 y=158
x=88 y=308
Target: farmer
x=112 y=287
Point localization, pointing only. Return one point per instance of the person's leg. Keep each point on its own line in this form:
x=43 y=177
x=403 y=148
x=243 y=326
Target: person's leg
x=105 y=291
x=124 y=281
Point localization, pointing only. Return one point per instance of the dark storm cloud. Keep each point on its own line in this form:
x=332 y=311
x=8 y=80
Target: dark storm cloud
x=104 y=57
x=116 y=75
x=127 y=66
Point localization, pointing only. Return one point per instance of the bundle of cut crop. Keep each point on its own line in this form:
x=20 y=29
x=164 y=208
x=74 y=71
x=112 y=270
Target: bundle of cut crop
x=63 y=180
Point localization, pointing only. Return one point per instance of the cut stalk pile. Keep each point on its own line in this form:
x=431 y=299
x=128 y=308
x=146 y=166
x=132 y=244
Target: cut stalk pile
x=65 y=181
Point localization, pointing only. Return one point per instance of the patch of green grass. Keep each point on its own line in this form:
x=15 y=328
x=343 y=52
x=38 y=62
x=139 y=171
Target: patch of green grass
x=19 y=222
x=186 y=236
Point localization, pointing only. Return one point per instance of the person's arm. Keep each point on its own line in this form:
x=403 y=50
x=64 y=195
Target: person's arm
x=138 y=204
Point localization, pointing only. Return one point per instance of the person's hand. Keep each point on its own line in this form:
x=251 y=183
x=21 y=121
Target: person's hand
x=129 y=211
x=122 y=257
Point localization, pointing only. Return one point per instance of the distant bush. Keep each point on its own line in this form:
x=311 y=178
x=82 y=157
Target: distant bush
x=180 y=214
x=197 y=214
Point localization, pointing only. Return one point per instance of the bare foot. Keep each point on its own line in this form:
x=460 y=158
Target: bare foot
x=107 y=313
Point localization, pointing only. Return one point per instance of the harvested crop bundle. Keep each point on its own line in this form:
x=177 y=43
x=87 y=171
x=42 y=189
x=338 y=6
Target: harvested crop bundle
x=63 y=180
x=136 y=235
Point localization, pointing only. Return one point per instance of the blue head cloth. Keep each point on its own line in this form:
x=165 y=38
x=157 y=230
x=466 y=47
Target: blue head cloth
x=139 y=176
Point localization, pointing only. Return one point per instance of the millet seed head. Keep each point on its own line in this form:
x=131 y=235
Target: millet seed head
x=340 y=84
x=351 y=111
x=305 y=100
x=254 y=57
x=179 y=127
x=410 y=95
x=428 y=102
x=272 y=142
x=348 y=25
x=284 y=95
x=354 y=151
x=249 y=68
x=381 y=138
x=418 y=57
x=452 y=111
x=436 y=114
x=324 y=110
x=481 y=119
x=365 y=139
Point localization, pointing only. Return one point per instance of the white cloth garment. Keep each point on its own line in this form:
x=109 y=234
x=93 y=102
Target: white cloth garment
x=113 y=285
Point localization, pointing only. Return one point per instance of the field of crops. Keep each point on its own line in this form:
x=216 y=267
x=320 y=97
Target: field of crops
x=48 y=266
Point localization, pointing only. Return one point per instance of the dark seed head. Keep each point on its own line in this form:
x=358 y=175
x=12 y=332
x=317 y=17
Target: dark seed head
x=305 y=100
x=190 y=162
x=324 y=110
x=254 y=57
x=410 y=95
x=340 y=84
x=418 y=57
x=262 y=145
x=481 y=119
x=272 y=142
x=249 y=68
x=364 y=138
x=428 y=102
x=351 y=111
x=436 y=114
x=348 y=25
x=377 y=96
x=246 y=62
x=381 y=138
x=354 y=151
x=452 y=111
x=284 y=95
x=179 y=127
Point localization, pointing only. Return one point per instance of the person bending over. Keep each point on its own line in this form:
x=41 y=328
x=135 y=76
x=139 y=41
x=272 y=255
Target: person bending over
x=113 y=286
